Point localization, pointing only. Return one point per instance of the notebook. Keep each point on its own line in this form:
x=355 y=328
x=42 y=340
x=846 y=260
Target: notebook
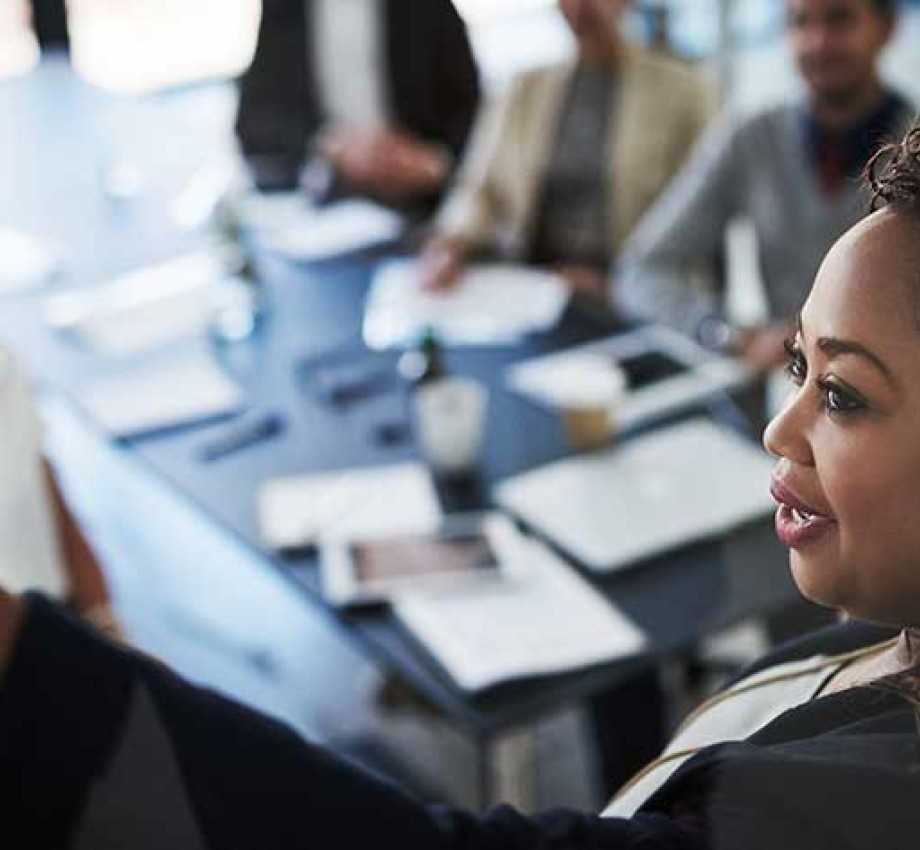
x=150 y=307
x=672 y=487
x=652 y=372
x=545 y=620
x=178 y=389
x=297 y=511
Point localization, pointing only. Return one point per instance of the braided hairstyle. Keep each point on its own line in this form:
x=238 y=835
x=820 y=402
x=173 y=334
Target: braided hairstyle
x=893 y=175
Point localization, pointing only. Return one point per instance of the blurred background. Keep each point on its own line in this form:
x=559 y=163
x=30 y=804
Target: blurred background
x=133 y=46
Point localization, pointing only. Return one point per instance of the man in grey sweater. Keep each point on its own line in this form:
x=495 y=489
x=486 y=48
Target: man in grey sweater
x=791 y=170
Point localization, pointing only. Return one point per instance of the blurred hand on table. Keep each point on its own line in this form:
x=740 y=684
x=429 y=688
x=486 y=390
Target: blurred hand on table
x=386 y=162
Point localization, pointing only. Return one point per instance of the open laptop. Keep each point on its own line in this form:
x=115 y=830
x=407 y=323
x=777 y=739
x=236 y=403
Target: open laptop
x=663 y=372
x=668 y=488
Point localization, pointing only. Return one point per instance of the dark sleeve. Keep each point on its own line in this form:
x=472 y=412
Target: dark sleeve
x=277 y=111
x=460 y=89
x=251 y=782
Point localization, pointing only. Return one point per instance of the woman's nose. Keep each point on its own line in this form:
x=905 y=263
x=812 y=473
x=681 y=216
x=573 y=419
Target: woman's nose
x=786 y=436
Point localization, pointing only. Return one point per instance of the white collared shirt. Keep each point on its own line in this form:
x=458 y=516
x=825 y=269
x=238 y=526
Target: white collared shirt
x=350 y=65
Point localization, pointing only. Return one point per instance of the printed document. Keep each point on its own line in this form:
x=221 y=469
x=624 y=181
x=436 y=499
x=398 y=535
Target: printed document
x=547 y=620
x=491 y=304
x=298 y=511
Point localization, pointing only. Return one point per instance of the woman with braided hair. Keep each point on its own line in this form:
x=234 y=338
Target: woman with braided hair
x=817 y=748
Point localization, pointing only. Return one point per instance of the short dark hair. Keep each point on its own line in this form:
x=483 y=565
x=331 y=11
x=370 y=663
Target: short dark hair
x=885 y=7
x=893 y=175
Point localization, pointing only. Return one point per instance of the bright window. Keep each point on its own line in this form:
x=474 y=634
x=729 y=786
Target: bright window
x=141 y=45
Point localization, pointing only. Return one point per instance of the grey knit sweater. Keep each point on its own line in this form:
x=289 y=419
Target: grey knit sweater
x=758 y=169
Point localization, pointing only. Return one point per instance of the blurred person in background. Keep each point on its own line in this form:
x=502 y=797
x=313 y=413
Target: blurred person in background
x=41 y=544
x=561 y=168
x=358 y=97
x=792 y=170
x=557 y=173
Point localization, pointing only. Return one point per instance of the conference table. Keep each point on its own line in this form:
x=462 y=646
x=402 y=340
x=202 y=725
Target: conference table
x=56 y=129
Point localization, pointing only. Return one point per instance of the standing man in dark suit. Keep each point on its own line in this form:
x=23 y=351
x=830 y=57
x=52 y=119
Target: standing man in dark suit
x=367 y=97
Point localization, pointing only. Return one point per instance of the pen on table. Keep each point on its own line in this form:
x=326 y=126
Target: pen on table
x=243 y=434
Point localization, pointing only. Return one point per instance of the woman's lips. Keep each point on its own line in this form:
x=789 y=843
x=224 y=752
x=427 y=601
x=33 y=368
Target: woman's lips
x=796 y=522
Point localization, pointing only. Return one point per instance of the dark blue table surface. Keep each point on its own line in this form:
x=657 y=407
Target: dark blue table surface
x=49 y=181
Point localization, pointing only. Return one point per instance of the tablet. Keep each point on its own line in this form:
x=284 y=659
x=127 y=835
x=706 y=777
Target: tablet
x=465 y=549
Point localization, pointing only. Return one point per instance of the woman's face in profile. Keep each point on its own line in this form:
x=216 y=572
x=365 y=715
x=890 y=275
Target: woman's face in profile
x=848 y=438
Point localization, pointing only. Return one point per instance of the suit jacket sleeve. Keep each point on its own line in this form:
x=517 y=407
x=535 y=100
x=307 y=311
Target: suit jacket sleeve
x=252 y=783
x=277 y=110
x=460 y=85
x=473 y=208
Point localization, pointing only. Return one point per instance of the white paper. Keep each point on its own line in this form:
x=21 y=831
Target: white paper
x=178 y=389
x=674 y=486
x=26 y=261
x=150 y=307
x=490 y=304
x=547 y=621
x=288 y=224
x=552 y=380
x=297 y=511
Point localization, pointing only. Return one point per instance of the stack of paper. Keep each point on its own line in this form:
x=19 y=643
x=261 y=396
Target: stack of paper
x=152 y=306
x=654 y=493
x=174 y=390
x=489 y=305
x=289 y=225
x=549 y=621
x=298 y=511
x=26 y=262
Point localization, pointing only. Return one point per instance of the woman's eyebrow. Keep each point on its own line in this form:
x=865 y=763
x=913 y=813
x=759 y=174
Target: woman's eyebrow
x=833 y=347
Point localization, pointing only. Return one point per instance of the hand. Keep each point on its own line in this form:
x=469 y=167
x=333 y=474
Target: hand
x=441 y=263
x=763 y=348
x=385 y=162
x=585 y=281
x=10 y=621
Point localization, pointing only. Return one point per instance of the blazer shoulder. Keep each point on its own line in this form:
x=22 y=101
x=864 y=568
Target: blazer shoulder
x=667 y=71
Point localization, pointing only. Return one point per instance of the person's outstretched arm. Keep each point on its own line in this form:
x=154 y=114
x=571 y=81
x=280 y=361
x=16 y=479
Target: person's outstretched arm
x=101 y=747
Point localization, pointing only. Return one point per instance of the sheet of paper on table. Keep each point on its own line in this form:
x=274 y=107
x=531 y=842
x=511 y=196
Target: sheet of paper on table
x=674 y=486
x=492 y=304
x=150 y=307
x=170 y=390
x=547 y=620
x=26 y=261
x=287 y=224
x=295 y=512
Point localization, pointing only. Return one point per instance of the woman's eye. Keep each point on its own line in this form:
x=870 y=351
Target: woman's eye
x=796 y=367
x=838 y=400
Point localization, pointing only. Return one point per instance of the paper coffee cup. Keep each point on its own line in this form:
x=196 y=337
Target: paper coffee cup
x=450 y=421
x=587 y=395
x=588 y=427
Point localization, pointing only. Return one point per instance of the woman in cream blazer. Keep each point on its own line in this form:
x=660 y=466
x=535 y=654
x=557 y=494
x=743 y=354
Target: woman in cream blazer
x=660 y=106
